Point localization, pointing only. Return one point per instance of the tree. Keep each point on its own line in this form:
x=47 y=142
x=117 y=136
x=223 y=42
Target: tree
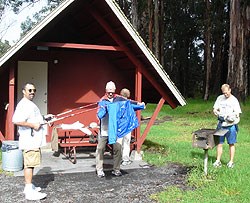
x=191 y=39
x=220 y=41
x=238 y=54
x=159 y=30
x=182 y=44
x=17 y=5
x=156 y=29
x=4 y=46
x=151 y=24
x=14 y=5
x=29 y=23
x=134 y=14
x=207 y=50
x=125 y=6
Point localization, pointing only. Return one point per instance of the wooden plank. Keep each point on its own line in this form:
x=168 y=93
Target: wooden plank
x=81 y=144
x=79 y=46
x=150 y=123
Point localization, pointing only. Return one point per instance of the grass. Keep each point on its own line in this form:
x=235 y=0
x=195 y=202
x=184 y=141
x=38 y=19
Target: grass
x=171 y=141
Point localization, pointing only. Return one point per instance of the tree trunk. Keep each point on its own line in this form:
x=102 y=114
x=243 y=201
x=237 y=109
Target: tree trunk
x=221 y=46
x=124 y=6
x=162 y=32
x=157 y=30
x=150 y=26
x=208 y=59
x=248 y=44
x=134 y=12
x=237 y=66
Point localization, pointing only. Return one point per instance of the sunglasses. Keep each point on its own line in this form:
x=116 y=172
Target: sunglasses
x=32 y=90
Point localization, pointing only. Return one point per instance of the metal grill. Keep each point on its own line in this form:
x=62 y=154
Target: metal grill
x=205 y=139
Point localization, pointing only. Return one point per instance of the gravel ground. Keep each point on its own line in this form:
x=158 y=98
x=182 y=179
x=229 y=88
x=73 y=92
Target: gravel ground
x=135 y=186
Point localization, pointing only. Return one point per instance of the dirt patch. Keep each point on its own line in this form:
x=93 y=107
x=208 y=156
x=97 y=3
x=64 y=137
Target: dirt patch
x=136 y=185
x=145 y=120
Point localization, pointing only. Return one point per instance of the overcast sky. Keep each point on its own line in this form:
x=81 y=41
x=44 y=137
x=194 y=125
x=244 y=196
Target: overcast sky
x=10 y=24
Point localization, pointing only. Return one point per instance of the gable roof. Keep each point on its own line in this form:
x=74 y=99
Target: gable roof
x=108 y=13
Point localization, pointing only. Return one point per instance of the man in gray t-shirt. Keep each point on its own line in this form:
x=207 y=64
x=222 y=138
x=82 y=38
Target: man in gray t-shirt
x=227 y=109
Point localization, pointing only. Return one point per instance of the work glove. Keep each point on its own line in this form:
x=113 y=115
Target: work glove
x=221 y=118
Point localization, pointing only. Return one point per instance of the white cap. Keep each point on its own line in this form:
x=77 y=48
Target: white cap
x=110 y=86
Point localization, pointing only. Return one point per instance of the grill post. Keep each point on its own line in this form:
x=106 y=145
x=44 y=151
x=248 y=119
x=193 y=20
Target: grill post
x=205 y=160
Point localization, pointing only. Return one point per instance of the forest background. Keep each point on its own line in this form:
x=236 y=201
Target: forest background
x=200 y=43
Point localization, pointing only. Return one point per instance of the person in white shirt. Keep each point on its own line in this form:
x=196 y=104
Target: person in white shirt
x=31 y=132
x=127 y=138
x=227 y=109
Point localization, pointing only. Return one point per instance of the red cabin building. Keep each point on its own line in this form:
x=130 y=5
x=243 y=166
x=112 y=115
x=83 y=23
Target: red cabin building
x=70 y=56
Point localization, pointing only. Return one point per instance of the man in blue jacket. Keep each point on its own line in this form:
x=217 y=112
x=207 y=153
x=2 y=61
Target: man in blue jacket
x=117 y=118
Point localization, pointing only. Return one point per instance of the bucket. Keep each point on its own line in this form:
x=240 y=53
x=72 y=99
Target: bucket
x=12 y=156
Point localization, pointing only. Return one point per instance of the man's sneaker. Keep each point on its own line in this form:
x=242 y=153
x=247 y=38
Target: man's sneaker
x=56 y=154
x=34 y=195
x=117 y=173
x=38 y=189
x=100 y=174
x=217 y=164
x=124 y=163
x=230 y=164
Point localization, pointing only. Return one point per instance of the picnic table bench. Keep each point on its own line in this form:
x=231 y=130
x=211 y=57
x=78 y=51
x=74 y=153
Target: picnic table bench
x=67 y=140
x=70 y=139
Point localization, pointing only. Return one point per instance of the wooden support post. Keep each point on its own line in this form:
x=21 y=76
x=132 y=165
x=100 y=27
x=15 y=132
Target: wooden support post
x=9 y=133
x=138 y=95
x=149 y=125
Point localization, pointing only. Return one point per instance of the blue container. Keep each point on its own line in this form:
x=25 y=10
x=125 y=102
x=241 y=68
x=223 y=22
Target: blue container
x=12 y=156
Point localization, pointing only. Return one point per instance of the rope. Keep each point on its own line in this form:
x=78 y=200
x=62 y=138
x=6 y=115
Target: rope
x=81 y=107
x=58 y=119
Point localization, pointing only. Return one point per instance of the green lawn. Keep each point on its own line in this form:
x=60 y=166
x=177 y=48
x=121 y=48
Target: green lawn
x=171 y=141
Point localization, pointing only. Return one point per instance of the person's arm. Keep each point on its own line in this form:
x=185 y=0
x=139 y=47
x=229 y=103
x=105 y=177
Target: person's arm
x=216 y=112
x=102 y=109
x=21 y=118
x=235 y=115
x=232 y=117
x=35 y=126
x=139 y=106
x=216 y=107
x=135 y=104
